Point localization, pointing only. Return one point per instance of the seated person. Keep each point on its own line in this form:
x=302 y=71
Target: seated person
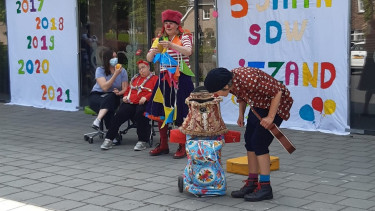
x=134 y=104
x=110 y=85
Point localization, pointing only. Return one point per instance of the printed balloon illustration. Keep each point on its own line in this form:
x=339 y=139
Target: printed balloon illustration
x=307 y=113
x=215 y=14
x=317 y=104
x=329 y=107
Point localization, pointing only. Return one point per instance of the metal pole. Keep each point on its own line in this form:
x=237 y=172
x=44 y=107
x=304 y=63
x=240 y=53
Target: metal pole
x=196 y=42
x=149 y=25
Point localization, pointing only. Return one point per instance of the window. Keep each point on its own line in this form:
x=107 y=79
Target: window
x=357 y=36
x=361 y=8
x=206 y=14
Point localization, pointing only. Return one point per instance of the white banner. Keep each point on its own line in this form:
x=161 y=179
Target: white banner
x=43 y=49
x=303 y=44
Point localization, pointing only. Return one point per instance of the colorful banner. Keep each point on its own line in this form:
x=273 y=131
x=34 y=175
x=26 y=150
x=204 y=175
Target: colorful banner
x=303 y=44
x=43 y=53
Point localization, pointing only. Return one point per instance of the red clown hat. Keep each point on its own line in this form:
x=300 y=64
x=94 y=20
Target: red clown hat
x=171 y=15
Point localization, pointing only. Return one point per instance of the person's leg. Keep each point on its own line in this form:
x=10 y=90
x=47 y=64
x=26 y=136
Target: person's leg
x=252 y=181
x=143 y=128
x=110 y=102
x=368 y=96
x=261 y=141
x=122 y=115
x=181 y=150
x=185 y=88
x=162 y=147
x=95 y=101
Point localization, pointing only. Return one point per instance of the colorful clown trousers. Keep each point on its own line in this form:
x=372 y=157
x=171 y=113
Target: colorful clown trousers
x=204 y=174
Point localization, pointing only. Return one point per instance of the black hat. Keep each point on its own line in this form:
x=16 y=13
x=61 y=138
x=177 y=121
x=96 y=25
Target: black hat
x=217 y=78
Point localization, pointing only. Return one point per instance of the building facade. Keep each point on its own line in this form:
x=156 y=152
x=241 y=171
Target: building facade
x=128 y=26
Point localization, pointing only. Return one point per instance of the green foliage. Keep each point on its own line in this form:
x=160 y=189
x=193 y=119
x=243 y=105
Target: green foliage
x=2 y=11
x=369 y=9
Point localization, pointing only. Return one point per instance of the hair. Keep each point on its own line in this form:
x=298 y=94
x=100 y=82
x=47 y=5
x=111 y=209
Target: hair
x=107 y=55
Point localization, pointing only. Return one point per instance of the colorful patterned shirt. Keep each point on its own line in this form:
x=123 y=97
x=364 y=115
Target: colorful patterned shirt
x=257 y=88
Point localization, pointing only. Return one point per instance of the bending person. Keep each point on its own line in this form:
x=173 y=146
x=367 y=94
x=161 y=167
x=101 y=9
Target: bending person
x=272 y=101
x=134 y=105
x=178 y=45
x=110 y=85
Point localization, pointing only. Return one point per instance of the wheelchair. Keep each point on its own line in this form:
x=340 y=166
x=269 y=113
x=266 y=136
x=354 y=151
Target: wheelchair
x=89 y=137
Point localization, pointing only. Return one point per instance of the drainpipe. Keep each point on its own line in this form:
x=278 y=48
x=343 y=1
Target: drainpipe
x=149 y=25
x=196 y=41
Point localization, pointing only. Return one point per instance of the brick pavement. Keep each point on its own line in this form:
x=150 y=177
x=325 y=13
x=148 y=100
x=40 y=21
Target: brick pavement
x=46 y=165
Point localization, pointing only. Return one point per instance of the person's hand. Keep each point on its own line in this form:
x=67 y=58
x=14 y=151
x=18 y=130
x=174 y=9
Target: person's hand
x=154 y=51
x=118 y=69
x=165 y=44
x=267 y=122
x=125 y=99
x=142 y=101
x=116 y=91
x=240 y=121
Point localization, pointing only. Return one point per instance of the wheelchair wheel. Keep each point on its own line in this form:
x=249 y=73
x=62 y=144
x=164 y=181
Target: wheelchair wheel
x=91 y=140
x=86 y=137
x=180 y=184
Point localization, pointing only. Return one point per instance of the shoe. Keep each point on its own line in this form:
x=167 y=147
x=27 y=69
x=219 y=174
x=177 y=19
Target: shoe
x=158 y=151
x=141 y=145
x=96 y=124
x=262 y=192
x=181 y=152
x=249 y=187
x=107 y=144
x=116 y=142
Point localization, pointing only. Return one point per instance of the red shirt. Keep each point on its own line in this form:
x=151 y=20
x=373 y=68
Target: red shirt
x=257 y=88
x=138 y=91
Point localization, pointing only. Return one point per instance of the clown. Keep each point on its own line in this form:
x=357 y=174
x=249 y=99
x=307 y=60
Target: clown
x=171 y=50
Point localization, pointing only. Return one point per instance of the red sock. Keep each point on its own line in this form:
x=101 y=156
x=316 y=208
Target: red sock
x=253 y=176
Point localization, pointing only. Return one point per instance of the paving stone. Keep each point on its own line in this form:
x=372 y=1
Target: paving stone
x=327 y=198
x=38 y=187
x=80 y=195
x=139 y=194
x=322 y=206
x=244 y=205
x=287 y=208
x=90 y=208
x=22 y=196
x=290 y=201
x=75 y=182
x=65 y=205
x=190 y=205
x=358 y=185
x=102 y=200
x=43 y=200
x=326 y=189
x=152 y=186
x=357 y=194
x=155 y=207
x=297 y=184
x=297 y=193
x=29 y=208
x=95 y=186
x=357 y=203
x=126 y=205
x=55 y=178
x=164 y=200
x=59 y=191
